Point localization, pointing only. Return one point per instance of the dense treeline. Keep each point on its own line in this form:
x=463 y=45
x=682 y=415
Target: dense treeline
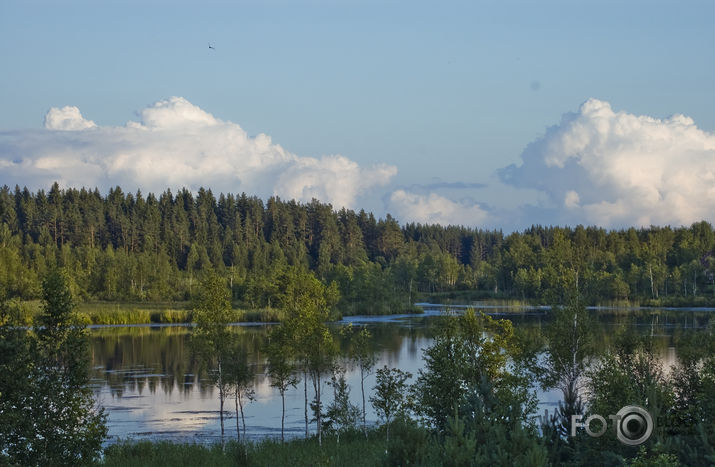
x=126 y=246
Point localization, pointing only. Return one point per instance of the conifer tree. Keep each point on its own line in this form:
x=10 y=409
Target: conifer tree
x=54 y=419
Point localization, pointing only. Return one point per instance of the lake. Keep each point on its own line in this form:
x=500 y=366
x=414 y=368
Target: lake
x=146 y=379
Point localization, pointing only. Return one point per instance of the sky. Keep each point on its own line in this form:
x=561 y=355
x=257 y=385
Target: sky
x=488 y=114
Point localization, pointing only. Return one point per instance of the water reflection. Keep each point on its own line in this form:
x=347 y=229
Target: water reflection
x=151 y=386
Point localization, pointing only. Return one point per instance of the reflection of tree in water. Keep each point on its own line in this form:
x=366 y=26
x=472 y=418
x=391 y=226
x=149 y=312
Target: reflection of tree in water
x=136 y=359
x=139 y=358
x=144 y=358
x=665 y=327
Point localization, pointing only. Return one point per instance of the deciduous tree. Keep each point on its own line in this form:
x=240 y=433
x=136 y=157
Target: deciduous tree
x=210 y=338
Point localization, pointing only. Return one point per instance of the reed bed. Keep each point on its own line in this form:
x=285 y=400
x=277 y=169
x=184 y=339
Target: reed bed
x=347 y=450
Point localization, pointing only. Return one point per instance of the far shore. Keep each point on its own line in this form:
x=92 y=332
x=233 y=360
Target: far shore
x=104 y=313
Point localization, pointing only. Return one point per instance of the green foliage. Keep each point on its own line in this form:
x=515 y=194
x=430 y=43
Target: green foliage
x=459 y=444
x=645 y=459
x=299 y=291
x=570 y=347
x=341 y=415
x=390 y=399
x=131 y=313
x=239 y=376
x=630 y=374
x=47 y=410
x=212 y=309
x=17 y=386
x=103 y=313
x=307 y=303
x=690 y=430
x=470 y=350
x=210 y=339
x=352 y=450
x=567 y=357
x=360 y=353
x=281 y=368
x=681 y=402
x=319 y=349
x=147 y=453
x=473 y=436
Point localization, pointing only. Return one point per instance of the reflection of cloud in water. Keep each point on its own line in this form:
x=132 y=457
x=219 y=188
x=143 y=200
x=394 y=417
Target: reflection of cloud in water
x=152 y=391
x=192 y=415
x=159 y=413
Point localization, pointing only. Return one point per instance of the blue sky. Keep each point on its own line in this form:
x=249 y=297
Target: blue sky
x=489 y=114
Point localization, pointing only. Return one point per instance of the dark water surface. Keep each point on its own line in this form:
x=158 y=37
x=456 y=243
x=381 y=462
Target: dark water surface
x=145 y=378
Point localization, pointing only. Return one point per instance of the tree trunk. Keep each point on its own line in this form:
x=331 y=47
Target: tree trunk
x=243 y=419
x=283 y=415
x=305 y=392
x=362 y=389
x=650 y=272
x=408 y=304
x=238 y=427
x=318 y=414
x=220 y=413
x=221 y=397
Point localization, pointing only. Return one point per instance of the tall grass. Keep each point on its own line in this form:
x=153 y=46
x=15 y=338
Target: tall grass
x=133 y=313
x=110 y=313
x=353 y=450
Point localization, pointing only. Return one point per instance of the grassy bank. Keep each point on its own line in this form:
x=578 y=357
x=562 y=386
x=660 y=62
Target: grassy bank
x=353 y=450
x=121 y=313
x=113 y=313
x=481 y=297
x=676 y=302
x=177 y=312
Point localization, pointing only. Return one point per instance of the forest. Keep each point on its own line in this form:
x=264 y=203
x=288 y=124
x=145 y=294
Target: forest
x=131 y=247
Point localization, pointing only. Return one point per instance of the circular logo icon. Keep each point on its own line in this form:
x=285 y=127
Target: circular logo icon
x=634 y=425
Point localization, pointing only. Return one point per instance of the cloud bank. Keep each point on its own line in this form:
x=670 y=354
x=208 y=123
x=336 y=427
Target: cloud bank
x=176 y=144
x=616 y=169
x=597 y=166
x=436 y=209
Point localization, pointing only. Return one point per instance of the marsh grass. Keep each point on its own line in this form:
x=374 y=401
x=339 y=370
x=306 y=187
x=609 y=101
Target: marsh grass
x=169 y=313
x=115 y=313
x=677 y=301
x=352 y=449
x=134 y=313
x=481 y=297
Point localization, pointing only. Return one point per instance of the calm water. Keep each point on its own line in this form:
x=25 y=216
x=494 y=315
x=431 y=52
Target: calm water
x=151 y=389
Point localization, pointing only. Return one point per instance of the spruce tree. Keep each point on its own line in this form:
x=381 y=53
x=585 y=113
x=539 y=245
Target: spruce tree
x=50 y=414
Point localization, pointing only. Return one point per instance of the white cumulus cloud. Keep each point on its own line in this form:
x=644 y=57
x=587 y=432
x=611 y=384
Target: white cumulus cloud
x=435 y=209
x=67 y=118
x=176 y=144
x=616 y=169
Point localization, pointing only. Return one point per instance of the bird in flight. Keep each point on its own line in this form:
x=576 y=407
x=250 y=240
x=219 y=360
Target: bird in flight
x=211 y=46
